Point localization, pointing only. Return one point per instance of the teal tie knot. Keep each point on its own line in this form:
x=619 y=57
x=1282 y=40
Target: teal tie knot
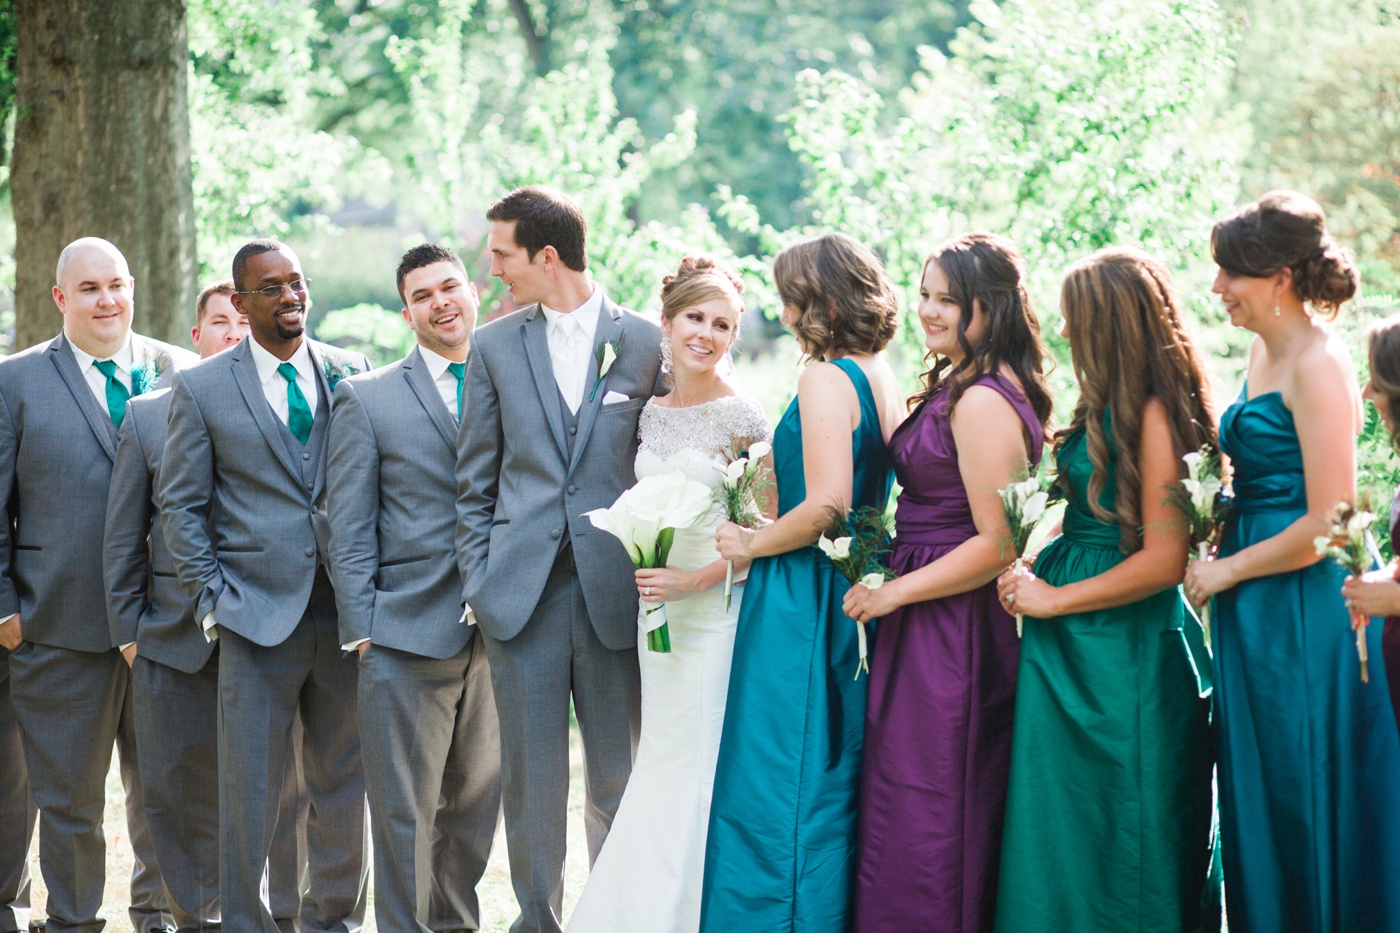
x=298 y=412
x=460 y=371
x=117 y=394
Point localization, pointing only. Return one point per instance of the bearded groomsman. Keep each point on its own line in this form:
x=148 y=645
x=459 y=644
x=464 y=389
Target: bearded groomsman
x=61 y=404
x=175 y=674
x=428 y=727
x=242 y=485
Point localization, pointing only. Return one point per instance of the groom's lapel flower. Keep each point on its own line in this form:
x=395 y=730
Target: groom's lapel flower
x=154 y=365
x=335 y=370
x=606 y=355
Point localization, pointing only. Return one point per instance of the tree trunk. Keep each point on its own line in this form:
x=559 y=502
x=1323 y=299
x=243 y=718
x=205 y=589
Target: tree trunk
x=102 y=148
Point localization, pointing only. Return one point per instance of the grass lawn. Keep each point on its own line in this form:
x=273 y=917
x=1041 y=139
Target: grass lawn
x=498 y=907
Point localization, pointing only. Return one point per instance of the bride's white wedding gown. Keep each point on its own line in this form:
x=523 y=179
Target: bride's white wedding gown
x=648 y=875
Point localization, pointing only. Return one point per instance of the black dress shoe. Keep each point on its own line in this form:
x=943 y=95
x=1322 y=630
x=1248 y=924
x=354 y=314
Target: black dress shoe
x=38 y=926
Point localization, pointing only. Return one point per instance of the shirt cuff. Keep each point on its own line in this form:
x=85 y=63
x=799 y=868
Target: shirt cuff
x=352 y=645
x=123 y=648
x=211 y=633
x=468 y=616
x=8 y=618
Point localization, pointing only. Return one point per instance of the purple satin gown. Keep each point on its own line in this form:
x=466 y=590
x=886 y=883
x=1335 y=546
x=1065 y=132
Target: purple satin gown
x=942 y=694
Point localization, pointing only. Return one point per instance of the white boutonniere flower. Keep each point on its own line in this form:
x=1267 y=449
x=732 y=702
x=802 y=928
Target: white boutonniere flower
x=606 y=354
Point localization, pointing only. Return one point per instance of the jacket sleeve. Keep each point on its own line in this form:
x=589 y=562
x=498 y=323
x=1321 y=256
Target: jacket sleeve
x=126 y=554
x=352 y=506
x=186 y=486
x=479 y=443
x=9 y=453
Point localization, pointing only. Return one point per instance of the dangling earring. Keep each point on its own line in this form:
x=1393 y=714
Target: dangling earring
x=1278 y=312
x=666 y=355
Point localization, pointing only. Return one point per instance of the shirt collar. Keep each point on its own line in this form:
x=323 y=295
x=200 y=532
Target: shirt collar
x=437 y=363
x=267 y=363
x=586 y=314
x=85 y=359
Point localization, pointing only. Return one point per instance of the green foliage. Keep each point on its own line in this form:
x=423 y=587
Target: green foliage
x=375 y=331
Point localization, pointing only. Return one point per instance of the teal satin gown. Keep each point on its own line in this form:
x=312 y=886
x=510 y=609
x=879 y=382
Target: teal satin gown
x=781 y=853
x=1309 y=772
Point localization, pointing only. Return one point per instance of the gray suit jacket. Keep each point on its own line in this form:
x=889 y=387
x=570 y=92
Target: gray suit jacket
x=520 y=491
x=391 y=498
x=145 y=602
x=254 y=563
x=57 y=445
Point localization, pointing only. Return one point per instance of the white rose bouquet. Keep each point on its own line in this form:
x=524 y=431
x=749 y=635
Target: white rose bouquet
x=1202 y=498
x=645 y=518
x=1348 y=543
x=858 y=543
x=742 y=496
x=1025 y=503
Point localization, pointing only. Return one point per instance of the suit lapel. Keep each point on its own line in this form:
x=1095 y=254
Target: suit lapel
x=245 y=373
x=421 y=382
x=97 y=419
x=532 y=330
x=609 y=328
x=324 y=387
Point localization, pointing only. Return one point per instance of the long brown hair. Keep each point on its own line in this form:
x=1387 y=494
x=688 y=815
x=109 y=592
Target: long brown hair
x=1128 y=344
x=1383 y=358
x=845 y=303
x=986 y=270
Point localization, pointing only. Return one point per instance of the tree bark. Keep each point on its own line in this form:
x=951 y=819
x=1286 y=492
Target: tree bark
x=102 y=148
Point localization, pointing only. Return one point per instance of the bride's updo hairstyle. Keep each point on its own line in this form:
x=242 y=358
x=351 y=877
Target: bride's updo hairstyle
x=697 y=280
x=844 y=301
x=1287 y=230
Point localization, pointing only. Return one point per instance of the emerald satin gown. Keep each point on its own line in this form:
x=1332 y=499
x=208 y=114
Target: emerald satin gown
x=1109 y=812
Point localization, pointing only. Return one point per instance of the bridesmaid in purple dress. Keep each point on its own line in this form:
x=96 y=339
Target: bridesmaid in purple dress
x=943 y=669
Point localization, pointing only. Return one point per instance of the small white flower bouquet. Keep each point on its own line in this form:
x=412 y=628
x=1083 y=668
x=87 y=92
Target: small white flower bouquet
x=1203 y=500
x=858 y=544
x=1347 y=543
x=645 y=518
x=1024 y=503
x=742 y=496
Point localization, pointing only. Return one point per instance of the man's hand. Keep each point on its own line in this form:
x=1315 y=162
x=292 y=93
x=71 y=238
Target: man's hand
x=10 y=633
x=129 y=654
x=362 y=647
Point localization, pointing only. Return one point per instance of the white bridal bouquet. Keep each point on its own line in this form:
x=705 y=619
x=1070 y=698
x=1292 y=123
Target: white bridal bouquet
x=645 y=518
x=1024 y=504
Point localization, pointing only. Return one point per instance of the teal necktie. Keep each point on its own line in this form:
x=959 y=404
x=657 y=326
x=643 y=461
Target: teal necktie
x=117 y=394
x=460 y=371
x=298 y=412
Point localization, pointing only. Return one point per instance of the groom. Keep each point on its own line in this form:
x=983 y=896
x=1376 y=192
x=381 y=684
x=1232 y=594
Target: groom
x=548 y=432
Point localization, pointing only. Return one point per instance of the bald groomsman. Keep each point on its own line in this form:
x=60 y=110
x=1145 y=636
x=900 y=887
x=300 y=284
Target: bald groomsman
x=175 y=674
x=61 y=404
x=242 y=485
x=428 y=727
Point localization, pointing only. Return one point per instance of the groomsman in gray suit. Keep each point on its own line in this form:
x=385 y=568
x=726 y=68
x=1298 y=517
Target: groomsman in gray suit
x=549 y=431
x=430 y=739
x=242 y=485
x=175 y=674
x=60 y=406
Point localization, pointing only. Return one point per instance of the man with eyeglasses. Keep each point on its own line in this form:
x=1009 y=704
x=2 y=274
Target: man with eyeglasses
x=243 y=487
x=61 y=403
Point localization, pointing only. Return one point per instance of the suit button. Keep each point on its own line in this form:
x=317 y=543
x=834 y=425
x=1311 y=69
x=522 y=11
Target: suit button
x=573 y=429
x=572 y=490
x=310 y=485
x=311 y=552
x=555 y=534
x=306 y=456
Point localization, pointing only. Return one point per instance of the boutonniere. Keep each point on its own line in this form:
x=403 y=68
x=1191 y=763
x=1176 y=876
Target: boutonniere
x=336 y=371
x=606 y=355
x=154 y=365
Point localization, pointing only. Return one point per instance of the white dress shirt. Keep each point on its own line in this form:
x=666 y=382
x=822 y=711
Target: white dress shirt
x=95 y=380
x=570 y=336
x=275 y=387
x=275 y=391
x=446 y=382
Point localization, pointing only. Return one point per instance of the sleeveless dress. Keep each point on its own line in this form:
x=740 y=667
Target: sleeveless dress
x=1309 y=755
x=942 y=694
x=1109 y=813
x=781 y=854
x=647 y=876
x=1390 y=631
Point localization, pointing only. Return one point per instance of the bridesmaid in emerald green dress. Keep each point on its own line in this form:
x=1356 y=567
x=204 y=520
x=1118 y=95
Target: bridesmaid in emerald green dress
x=1309 y=755
x=1108 y=817
x=782 y=841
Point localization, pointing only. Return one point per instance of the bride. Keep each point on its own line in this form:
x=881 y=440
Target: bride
x=648 y=875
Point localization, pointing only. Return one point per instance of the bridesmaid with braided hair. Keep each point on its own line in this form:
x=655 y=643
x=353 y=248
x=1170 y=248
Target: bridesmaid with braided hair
x=1108 y=816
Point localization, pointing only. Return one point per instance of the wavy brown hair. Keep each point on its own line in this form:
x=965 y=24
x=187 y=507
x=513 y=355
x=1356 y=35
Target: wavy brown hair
x=984 y=270
x=845 y=303
x=1383 y=358
x=1287 y=230
x=1128 y=344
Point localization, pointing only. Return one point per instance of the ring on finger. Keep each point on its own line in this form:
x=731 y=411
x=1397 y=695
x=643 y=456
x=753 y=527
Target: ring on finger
x=1011 y=599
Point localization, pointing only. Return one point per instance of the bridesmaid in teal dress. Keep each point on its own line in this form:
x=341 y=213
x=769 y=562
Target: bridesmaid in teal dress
x=1309 y=755
x=782 y=840
x=1109 y=811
